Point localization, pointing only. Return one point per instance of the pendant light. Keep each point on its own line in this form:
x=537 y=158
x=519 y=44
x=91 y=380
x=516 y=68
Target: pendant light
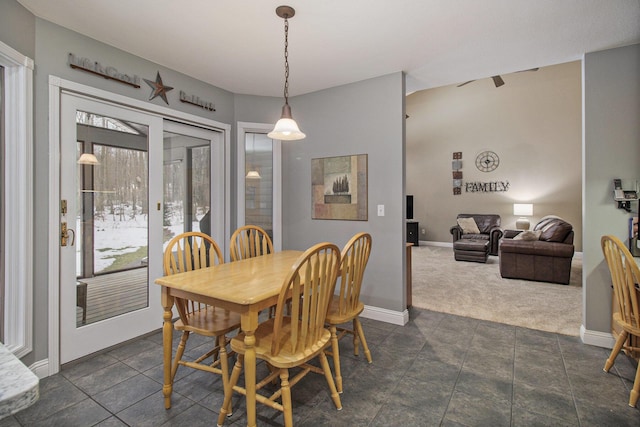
x=286 y=129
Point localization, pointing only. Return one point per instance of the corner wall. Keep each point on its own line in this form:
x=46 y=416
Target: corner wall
x=611 y=150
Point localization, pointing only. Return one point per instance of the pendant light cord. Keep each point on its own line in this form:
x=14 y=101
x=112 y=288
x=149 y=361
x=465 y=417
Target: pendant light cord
x=286 y=60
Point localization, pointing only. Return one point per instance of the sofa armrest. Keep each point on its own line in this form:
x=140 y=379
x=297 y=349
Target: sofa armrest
x=495 y=234
x=456 y=232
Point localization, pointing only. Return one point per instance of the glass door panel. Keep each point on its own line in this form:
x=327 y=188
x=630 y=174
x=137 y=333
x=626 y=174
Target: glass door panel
x=258 y=194
x=107 y=269
x=187 y=185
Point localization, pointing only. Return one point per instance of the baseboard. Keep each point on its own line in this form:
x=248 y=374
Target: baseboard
x=596 y=338
x=40 y=368
x=384 y=315
x=440 y=244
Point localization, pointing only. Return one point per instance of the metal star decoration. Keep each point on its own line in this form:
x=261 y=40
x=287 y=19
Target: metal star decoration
x=159 y=89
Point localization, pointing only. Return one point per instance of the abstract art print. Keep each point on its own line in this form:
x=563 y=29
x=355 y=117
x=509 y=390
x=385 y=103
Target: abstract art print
x=339 y=188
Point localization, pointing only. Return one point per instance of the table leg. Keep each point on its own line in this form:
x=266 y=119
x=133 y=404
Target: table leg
x=167 y=344
x=249 y=323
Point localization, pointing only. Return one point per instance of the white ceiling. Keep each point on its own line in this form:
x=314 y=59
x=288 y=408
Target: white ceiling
x=238 y=45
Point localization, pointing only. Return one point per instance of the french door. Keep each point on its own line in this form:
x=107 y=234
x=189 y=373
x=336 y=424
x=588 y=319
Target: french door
x=129 y=181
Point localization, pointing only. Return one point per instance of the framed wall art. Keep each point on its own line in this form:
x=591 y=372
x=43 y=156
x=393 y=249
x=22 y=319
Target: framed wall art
x=339 y=188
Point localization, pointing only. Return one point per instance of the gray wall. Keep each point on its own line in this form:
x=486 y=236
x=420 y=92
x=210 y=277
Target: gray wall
x=533 y=123
x=360 y=118
x=17 y=27
x=611 y=150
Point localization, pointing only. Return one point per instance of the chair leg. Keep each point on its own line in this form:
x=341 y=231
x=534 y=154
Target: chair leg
x=356 y=343
x=332 y=386
x=358 y=328
x=286 y=397
x=179 y=354
x=335 y=350
x=235 y=375
x=224 y=367
x=635 y=392
x=616 y=349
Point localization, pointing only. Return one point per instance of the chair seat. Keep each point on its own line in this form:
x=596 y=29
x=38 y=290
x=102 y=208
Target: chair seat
x=286 y=358
x=210 y=323
x=335 y=318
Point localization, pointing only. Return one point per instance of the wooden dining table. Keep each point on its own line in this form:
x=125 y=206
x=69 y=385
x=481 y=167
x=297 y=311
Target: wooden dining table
x=246 y=287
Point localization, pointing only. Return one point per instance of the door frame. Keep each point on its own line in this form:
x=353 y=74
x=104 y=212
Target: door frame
x=56 y=86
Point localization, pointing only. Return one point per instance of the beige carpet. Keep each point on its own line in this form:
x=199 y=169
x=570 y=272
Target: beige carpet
x=476 y=290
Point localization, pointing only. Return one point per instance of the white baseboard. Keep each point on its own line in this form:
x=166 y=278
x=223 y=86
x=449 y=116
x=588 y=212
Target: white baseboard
x=596 y=338
x=440 y=244
x=388 y=316
x=40 y=368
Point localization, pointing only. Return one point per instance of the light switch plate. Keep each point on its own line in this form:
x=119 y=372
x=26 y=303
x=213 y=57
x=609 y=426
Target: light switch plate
x=380 y=210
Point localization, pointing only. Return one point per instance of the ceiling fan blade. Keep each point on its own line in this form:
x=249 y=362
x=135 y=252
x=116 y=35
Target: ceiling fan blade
x=466 y=83
x=497 y=80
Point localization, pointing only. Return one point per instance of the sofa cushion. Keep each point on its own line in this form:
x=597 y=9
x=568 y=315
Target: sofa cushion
x=468 y=225
x=529 y=235
x=553 y=229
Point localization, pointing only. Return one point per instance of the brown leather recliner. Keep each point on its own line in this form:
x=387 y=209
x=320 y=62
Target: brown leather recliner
x=547 y=259
x=489 y=226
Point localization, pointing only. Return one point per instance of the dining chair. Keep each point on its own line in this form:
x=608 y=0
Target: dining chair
x=249 y=241
x=295 y=335
x=190 y=251
x=345 y=305
x=625 y=277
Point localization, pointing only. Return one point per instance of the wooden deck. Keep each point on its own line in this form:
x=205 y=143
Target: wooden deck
x=114 y=294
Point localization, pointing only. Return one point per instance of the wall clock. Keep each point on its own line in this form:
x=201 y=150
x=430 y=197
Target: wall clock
x=487 y=161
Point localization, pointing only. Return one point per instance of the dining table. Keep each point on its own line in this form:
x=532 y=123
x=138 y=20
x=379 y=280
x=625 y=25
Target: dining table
x=246 y=287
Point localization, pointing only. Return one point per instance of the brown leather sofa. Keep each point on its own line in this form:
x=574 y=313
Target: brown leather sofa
x=489 y=227
x=547 y=259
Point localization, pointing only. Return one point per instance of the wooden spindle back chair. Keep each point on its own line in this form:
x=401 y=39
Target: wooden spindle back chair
x=297 y=333
x=346 y=305
x=625 y=277
x=191 y=251
x=249 y=241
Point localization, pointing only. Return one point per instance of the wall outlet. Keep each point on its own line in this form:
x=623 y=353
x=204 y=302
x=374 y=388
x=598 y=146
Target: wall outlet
x=423 y=231
x=380 y=210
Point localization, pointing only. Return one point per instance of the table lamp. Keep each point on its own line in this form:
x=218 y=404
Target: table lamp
x=522 y=210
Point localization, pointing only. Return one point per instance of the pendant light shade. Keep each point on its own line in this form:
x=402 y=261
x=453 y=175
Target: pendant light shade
x=286 y=128
x=88 y=159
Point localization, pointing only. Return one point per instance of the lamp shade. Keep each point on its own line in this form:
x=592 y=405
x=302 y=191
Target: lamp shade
x=523 y=209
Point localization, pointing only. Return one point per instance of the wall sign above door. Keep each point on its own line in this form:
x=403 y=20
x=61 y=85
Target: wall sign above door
x=108 y=72
x=195 y=100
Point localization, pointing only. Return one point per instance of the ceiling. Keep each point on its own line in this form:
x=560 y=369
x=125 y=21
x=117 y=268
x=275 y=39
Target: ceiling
x=239 y=45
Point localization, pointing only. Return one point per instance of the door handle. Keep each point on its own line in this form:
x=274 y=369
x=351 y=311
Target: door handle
x=64 y=235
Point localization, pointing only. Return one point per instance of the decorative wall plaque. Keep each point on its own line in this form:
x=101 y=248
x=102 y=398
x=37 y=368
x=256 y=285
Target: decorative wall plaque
x=339 y=188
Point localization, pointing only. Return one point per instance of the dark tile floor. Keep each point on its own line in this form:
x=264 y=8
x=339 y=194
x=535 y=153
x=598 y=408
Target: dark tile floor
x=439 y=369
